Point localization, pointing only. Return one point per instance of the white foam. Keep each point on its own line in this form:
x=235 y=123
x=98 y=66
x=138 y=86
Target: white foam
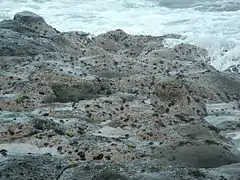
x=212 y=28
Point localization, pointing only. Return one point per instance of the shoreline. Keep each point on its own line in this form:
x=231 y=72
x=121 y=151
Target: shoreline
x=124 y=106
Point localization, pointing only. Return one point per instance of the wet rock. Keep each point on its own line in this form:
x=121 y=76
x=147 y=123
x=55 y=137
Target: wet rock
x=33 y=36
x=3 y=152
x=42 y=125
x=171 y=96
x=149 y=171
x=34 y=21
x=25 y=149
x=198 y=129
x=189 y=52
x=110 y=176
x=182 y=173
x=92 y=171
x=117 y=106
x=31 y=167
x=15 y=132
x=116 y=35
x=232 y=170
x=183 y=52
x=219 y=87
x=80 y=91
x=229 y=125
x=129 y=45
x=159 y=53
x=172 y=36
x=134 y=45
x=25 y=46
x=78 y=38
x=224 y=81
x=106 y=44
x=234 y=69
x=198 y=155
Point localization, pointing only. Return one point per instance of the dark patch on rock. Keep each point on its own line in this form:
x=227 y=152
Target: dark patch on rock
x=82 y=91
x=3 y=152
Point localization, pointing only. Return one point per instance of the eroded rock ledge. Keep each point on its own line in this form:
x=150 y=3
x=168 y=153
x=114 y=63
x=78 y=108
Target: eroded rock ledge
x=112 y=106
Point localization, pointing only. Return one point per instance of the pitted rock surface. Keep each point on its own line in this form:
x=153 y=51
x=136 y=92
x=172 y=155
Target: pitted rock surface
x=111 y=106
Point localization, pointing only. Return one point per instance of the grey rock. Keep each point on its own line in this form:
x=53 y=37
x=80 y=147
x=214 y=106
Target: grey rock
x=118 y=106
x=189 y=174
x=37 y=167
x=199 y=129
x=217 y=87
x=15 y=44
x=116 y=35
x=126 y=44
x=183 y=52
x=80 y=91
x=198 y=155
x=106 y=175
x=229 y=125
x=190 y=52
x=234 y=69
x=232 y=170
x=34 y=22
x=28 y=34
x=41 y=124
x=90 y=171
x=78 y=37
x=171 y=96
x=149 y=171
x=224 y=81
x=106 y=44
x=172 y=36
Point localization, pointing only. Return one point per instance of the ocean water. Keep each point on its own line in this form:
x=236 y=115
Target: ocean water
x=211 y=24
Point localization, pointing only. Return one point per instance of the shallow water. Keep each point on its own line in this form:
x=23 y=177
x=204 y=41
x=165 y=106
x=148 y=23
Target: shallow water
x=212 y=24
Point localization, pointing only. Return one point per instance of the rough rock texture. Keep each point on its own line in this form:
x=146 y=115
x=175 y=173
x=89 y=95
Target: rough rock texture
x=112 y=106
x=28 y=34
x=31 y=167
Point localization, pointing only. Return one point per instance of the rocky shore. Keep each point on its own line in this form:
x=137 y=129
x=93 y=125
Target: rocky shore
x=112 y=107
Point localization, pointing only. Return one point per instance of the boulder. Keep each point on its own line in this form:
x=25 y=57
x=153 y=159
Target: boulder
x=84 y=90
x=217 y=86
x=13 y=43
x=28 y=34
x=34 y=22
x=198 y=155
